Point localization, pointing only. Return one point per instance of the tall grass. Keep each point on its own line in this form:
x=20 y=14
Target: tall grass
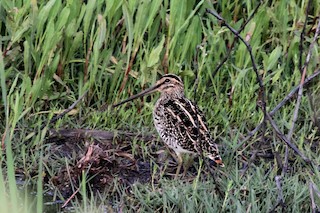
x=53 y=51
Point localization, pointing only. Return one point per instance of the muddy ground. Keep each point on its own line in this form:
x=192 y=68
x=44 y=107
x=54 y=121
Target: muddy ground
x=106 y=157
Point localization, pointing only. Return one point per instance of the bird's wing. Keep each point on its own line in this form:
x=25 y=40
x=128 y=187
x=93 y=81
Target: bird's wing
x=190 y=123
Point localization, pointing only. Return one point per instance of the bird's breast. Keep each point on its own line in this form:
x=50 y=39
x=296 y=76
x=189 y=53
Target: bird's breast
x=165 y=124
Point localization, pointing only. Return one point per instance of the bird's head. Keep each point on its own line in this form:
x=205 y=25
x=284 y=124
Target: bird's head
x=169 y=84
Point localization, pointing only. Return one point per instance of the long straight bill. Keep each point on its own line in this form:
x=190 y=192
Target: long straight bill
x=144 y=92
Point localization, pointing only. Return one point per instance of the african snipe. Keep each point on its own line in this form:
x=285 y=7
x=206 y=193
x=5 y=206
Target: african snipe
x=178 y=121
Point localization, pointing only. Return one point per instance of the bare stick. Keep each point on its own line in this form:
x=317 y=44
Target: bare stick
x=316 y=190
x=281 y=104
x=280 y=194
x=285 y=139
x=303 y=75
x=293 y=91
x=235 y=40
x=313 y=204
x=65 y=111
x=280 y=200
x=259 y=79
x=69 y=199
x=252 y=158
x=236 y=33
x=250 y=134
x=300 y=67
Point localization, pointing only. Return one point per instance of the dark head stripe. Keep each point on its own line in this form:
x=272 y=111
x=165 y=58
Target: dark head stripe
x=167 y=87
x=172 y=76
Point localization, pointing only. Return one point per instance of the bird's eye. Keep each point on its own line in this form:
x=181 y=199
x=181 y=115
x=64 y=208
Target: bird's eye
x=167 y=81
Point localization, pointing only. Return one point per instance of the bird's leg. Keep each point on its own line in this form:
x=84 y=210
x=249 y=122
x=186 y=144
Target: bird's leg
x=179 y=164
x=187 y=164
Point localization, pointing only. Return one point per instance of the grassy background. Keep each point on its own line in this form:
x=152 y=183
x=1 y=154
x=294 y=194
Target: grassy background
x=52 y=52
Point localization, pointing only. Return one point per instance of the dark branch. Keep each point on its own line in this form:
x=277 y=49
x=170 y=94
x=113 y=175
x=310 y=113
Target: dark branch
x=303 y=75
x=234 y=41
x=285 y=139
x=281 y=104
x=252 y=158
x=259 y=79
x=294 y=91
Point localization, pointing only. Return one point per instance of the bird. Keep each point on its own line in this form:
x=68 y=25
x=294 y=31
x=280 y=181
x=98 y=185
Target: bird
x=179 y=122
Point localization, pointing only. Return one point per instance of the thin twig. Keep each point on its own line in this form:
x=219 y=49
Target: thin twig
x=235 y=40
x=252 y=158
x=313 y=204
x=280 y=194
x=69 y=199
x=54 y=119
x=303 y=75
x=249 y=135
x=294 y=91
x=281 y=104
x=285 y=139
x=302 y=35
x=316 y=190
x=277 y=157
x=254 y=65
x=236 y=33
x=280 y=200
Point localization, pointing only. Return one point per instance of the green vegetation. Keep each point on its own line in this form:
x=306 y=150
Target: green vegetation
x=52 y=52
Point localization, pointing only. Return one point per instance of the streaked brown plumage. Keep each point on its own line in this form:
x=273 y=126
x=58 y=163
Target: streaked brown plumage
x=179 y=122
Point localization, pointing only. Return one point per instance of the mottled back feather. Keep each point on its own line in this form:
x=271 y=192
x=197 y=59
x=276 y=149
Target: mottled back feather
x=191 y=132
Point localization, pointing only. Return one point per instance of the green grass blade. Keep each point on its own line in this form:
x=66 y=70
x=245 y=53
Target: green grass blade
x=13 y=194
x=129 y=25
